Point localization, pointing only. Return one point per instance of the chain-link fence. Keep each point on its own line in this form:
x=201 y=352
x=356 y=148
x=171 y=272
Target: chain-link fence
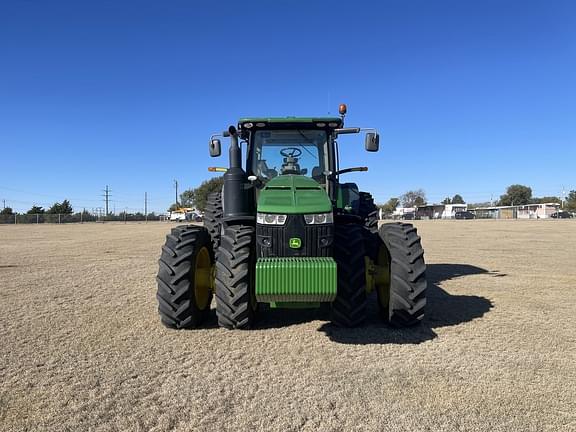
x=75 y=218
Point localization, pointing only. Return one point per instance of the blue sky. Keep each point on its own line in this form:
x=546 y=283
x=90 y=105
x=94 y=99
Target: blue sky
x=468 y=96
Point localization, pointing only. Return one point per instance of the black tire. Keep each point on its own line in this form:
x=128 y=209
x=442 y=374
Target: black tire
x=235 y=278
x=213 y=218
x=407 y=288
x=182 y=303
x=369 y=214
x=349 y=307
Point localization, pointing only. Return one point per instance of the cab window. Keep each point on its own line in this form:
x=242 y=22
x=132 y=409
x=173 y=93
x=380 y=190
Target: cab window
x=294 y=151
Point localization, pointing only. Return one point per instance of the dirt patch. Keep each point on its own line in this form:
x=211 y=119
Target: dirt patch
x=82 y=347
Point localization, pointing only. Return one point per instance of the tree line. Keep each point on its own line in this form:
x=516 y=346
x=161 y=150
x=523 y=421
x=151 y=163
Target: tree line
x=65 y=208
x=57 y=208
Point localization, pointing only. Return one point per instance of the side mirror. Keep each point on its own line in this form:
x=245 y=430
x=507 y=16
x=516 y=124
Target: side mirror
x=215 y=147
x=372 y=142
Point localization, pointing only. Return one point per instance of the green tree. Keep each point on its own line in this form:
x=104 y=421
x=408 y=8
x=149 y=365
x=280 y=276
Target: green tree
x=447 y=200
x=516 y=195
x=67 y=207
x=35 y=210
x=173 y=207
x=197 y=197
x=413 y=198
x=187 y=198
x=570 y=203
x=457 y=199
x=390 y=206
x=6 y=211
x=61 y=208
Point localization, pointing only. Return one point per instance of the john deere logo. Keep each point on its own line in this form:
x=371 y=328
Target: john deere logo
x=295 y=243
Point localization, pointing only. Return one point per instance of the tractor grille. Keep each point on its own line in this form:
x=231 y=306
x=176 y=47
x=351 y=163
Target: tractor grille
x=273 y=241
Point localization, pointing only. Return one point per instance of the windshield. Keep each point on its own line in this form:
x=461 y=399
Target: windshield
x=294 y=151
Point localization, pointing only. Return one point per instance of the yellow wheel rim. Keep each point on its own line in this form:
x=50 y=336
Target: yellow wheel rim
x=202 y=279
x=382 y=276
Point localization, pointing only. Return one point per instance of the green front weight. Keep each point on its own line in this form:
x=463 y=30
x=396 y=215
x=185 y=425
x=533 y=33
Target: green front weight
x=310 y=279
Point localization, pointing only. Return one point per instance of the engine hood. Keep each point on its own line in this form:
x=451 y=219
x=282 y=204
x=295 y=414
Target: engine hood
x=293 y=194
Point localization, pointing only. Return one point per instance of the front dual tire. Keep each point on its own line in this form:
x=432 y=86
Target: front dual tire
x=236 y=303
x=188 y=275
x=185 y=277
x=349 y=307
x=395 y=256
x=401 y=289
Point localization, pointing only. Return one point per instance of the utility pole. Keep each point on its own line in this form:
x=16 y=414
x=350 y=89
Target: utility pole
x=107 y=197
x=146 y=206
x=176 y=186
x=3 y=203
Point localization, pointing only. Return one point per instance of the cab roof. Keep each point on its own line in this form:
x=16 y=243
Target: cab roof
x=295 y=120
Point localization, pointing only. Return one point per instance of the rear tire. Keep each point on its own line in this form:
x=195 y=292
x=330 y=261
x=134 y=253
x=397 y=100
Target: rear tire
x=349 y=307
x=402 y=302
x=184 y=286
x=369 y=214
x=235 y=278
x=213 y=218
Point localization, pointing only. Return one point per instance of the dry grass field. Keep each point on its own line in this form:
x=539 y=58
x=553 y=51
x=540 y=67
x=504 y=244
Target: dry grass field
x=82 y=348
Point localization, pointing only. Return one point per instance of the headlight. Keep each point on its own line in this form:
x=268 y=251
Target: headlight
x=319 y=218
x=270 y=219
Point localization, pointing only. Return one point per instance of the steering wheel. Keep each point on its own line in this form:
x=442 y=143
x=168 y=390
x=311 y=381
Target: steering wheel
x=291 y=152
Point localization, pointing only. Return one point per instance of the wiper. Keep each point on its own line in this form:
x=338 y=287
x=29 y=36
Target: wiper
x=304 y=147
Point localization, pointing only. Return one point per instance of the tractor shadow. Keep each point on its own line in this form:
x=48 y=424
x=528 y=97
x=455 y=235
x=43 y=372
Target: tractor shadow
x=271 y=318
x=442 y=310
x=278 y=318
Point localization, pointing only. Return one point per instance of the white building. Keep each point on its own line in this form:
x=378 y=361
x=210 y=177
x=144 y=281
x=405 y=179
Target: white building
x=401 y=211
x=450 y=210
x=537 y=211
x=529 y=211
x=440 y=211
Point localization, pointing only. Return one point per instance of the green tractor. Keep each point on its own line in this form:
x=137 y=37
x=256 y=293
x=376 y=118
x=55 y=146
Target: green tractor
x=286 y=231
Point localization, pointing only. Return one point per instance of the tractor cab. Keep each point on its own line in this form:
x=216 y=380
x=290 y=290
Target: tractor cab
x=295 y=146
x=298 y=147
